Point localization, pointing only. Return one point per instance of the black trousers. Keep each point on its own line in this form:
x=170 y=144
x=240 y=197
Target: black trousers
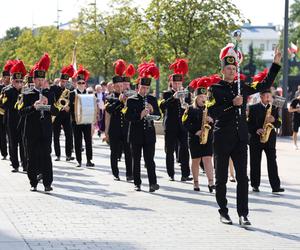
x=256 y=150
x=226 y=146
x=16 y=146
x=148 y=153
x=172 y=139
x=3 y=141
x=39 y=161
x=65 y=123
x=116 y=144
x=86 y=131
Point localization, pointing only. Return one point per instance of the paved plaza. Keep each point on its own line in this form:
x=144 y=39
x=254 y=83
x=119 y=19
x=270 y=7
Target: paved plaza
x=88 y=210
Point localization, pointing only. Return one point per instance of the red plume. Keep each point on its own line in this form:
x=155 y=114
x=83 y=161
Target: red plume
x=180 y=66
x=44 y=62
x=19 y=67
x=120 y=67
x=242 y=77
x=215 y=79
x=148 y=70
x=68 y=70
x=260 y=76
x=9 y=64
x=130 y=71
x=205 y=82
x=194 y=83
x=82 y=71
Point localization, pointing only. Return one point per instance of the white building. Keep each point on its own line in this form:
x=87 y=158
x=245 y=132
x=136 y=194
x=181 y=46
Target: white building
x=264 y=38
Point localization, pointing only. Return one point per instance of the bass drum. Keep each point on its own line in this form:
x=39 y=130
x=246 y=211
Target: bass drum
x=85 y=109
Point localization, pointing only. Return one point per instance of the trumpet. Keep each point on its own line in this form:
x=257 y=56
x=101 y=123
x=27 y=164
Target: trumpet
x=42 y=108
x=181 y=95
x=129 y=92
x=150 y=117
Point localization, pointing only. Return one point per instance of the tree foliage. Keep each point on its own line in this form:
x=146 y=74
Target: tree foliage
x=165 y=30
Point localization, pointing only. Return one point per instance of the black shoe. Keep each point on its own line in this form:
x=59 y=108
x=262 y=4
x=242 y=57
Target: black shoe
x=211 y=188
x=57 y=158
x=24 y=169
x=70 y=158
x=33 y=189
x=15 y=170
x=3 y=158
x=48 y=189
x=232 y=179
x=278 y=190
x=79 y=165
x=137 y=188
x=197 y=189
x=244 y=222
x=117 y=178
x=186 y=178
x=255 y=189
x=90 y=164
x=153 y=188
x=129 y=178
x=172 y=178
x=225 y=219
x=39 y=177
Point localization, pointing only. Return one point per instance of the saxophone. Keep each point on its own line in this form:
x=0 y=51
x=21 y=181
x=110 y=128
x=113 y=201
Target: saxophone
x=267 y=127
x=205 y=127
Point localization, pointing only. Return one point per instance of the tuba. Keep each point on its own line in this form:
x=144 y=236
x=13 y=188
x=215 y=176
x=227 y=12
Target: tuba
x=267 y=127
x=205 y=127
x=62 y=102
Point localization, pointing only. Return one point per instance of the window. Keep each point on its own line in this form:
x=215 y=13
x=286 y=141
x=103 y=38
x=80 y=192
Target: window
x=262 y=46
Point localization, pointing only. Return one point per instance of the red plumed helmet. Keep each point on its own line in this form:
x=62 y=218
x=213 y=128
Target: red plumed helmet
x=19 y=67
x=260 y=76
x=204 y=82
x=44 y=63
x=82 y=74
x=180 y=66
x=68 y=70
x=130 y=71
x=9 y=64
x=229 y=51
x=120 y=67
x=31 y=72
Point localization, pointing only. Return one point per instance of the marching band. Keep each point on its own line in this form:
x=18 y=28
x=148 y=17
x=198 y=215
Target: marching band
x=208 y=121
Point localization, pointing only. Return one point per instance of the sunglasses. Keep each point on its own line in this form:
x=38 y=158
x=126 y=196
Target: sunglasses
x=80 y=83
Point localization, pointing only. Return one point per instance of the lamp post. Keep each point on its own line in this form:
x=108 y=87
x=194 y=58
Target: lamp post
x=285 y=114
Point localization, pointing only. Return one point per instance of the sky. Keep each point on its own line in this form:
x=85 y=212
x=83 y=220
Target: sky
x=34 y=13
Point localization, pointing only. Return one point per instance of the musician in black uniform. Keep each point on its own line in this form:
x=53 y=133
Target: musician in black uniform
x=142 y=134
x=261 y=115
x=192 y=120
x=38 y=126
x=118 y=127
x=228 y=108
x=63 y=118
x=175 y=133
x=295 y=109
x=9 y=99
x=81 y=76
x=5 y=83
